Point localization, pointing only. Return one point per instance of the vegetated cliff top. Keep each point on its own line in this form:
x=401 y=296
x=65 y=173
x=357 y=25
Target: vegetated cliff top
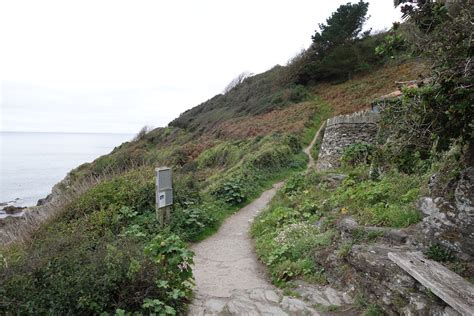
x=272 y=91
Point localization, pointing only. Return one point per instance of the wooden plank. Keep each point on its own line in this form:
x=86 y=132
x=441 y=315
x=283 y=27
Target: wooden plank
x=447 y=285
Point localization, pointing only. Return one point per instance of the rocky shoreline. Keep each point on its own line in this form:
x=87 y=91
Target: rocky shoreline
x=17 y=222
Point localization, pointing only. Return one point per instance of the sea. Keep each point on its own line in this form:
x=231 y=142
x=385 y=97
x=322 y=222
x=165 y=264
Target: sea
x=31 y=163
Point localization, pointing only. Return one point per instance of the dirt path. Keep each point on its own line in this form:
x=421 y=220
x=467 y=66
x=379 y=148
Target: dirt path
x=229 y=278
x=307 y=150
x=226 y=261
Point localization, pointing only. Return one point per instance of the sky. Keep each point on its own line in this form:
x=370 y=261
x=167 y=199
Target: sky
x=116 y=66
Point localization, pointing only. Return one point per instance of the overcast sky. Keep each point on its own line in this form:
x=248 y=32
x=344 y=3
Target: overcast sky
x=115 y=66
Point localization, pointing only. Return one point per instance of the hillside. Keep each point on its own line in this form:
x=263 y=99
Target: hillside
x=95 y=246
x=223 y=152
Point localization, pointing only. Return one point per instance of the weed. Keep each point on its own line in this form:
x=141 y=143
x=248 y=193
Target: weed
x=344 y=249
x=356 y=154
x=373 y=310
x=440 y=253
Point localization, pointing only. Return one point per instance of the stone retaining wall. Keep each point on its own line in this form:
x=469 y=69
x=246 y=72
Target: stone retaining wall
x=345 y=130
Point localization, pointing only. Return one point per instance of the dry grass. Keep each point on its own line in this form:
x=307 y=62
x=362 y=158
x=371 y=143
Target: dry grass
x=358 y=93
x=291 y=119
x=21 y=229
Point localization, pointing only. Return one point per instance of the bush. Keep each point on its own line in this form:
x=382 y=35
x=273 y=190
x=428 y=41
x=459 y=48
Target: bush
x=176 y=279
x=230 y=192
x=357 y=154
x=271 y=157
x=294 y=184
x=221 y=155
x=392 y=44
x=82 y=276
x=91 y=259
x=192 y=222
x=387 y=202
x=440 y=253
x=142 y=133
x=135 y=189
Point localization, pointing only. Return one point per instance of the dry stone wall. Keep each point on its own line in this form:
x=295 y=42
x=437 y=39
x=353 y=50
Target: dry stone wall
x=343 y=131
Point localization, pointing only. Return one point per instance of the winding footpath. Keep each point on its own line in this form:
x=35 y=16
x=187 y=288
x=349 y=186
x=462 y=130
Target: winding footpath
x=229 y=278
x=226 y=261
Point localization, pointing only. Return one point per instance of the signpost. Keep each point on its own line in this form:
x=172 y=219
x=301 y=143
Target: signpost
x=164 y=194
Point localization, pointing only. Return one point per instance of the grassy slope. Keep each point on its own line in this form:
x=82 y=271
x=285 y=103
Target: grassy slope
x=223 y=152
x=358 y=93
x=285 y=236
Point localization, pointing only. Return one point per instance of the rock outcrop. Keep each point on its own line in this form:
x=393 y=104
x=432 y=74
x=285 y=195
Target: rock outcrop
x=450 y=222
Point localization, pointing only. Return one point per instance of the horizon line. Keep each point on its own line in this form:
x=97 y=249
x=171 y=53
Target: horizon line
x=58 y=132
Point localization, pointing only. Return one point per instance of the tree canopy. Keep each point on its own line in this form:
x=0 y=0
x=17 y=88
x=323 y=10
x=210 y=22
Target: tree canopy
x=340 y=47
x=342 y=26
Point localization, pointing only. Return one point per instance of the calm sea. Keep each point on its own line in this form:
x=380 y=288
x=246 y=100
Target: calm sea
x=31 y=163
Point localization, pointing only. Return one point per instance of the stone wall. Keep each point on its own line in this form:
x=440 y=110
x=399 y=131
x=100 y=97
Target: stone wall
x=342 y=131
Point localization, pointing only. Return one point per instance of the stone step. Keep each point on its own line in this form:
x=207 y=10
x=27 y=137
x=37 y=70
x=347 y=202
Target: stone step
x=269 y=301
x=258 y=301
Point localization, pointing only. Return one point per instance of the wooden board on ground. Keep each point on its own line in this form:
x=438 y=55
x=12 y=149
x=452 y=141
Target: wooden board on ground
x=447 y=285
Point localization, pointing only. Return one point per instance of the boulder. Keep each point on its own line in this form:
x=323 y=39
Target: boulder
x=450 y=223
x=13 y=209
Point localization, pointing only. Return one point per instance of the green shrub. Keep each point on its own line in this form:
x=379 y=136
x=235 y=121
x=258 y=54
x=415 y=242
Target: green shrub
x=271 y=157
x=175 y=260
x=373 y=310
x=440 y=253
x=387 y=202
x=82 y=276
x=223 y=154
x=192 y=222
x=293 y=142
x=293 y=184
x=357 y=154
x=135 y=189
x=231 y=192
x=298 y=93
x=392 y=44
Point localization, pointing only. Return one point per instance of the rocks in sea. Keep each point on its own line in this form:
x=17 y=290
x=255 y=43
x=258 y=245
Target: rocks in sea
x=45 y=200
x=11 y=209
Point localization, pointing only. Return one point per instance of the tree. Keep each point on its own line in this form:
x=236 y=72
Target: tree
x=426 y=14
x=342 y=27
x=441 y=111
x=339 y=48
x=237 y=80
